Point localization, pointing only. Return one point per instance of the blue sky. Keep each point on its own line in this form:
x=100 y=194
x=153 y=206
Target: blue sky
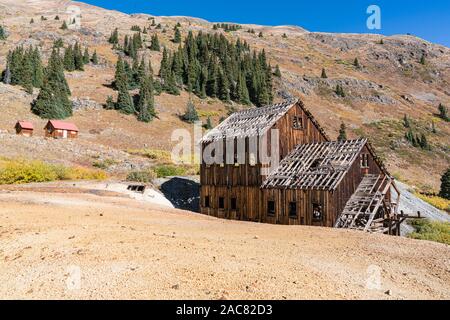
x=427 y=19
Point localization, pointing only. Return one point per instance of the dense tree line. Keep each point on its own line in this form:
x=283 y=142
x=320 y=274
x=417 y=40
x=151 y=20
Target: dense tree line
x=210 y=65
x=445 y=185
x=227 y=27
x=129 y=77
x=24 y=68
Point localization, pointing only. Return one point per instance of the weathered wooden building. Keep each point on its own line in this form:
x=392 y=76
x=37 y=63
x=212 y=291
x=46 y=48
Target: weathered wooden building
x=61 y=130
x=24 y=128
x=317 y=182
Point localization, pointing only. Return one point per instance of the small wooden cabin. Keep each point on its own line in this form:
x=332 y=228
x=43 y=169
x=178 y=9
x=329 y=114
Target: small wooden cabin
x=24 y=128
x=317 y=182
x=61 y=130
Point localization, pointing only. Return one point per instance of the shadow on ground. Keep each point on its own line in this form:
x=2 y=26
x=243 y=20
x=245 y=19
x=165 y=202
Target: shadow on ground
x=182 y=193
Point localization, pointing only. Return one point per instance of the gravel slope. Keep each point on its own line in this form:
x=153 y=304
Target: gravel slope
x=84 y=246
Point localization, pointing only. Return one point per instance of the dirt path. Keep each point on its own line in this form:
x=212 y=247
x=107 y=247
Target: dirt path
x=83 y=246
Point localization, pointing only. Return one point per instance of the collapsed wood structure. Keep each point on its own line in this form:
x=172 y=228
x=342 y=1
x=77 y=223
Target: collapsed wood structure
x=317 y=182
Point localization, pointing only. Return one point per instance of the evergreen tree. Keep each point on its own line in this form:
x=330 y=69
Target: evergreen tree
x=27 y=75
x=177 y=36
x=406 y=122
x=57 y=18
x=38 y=69
x=340 y=91
x=86 y=56
x=342 y=132
x=124 y=101
x=443 y=112
x=146 y=106
x=208 y=125
x=356 y=63
x=110 y=104
x=261 y=35
x=423 y=142
x=94 y=58
x=277 y=72
x=191 y=114
x=64 y=26
x=324 y=74
x=445 y=185
x=31 y=21
x=78 y=57
x=58 y=43
x=2 y=33
x=53 y=101
x=433 y=127
x=120 y=78
x=69 y=59
x=154 y=44
x=114 y=38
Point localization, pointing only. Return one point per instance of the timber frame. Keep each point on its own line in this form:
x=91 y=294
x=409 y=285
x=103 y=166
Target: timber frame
x=317 y=182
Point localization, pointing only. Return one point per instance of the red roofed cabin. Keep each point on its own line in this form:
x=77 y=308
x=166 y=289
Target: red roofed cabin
x=61 y=130
x=24 y=128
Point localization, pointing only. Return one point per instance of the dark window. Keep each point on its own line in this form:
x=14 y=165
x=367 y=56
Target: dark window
x=271 y=208
x=221 y=203
x=297 y=123
x=293 y=209
x=317 y=212
x=206 y=201
x=233 y=204
x=365 y=160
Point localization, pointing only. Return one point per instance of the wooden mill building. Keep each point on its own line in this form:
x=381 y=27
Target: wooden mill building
x=317 y=181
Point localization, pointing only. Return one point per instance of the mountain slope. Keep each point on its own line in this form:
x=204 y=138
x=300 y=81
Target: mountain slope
x=389 y=83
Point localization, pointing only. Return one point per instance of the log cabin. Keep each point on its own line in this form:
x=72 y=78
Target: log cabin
x=24 y=128
x=60 y=130
x=316 y=182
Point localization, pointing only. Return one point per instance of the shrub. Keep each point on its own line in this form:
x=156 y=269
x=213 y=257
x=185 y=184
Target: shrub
x=431 y=230
x=154 y=154
x=21 y=171
x=104 y=164
x=163 y=171
x=141 y=176
x=435 y=201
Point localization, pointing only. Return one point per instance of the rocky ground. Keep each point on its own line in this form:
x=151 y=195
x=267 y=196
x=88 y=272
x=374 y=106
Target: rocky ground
x=69 y=244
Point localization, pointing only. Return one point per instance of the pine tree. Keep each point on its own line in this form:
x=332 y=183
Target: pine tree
x=38 y=70
x=120 y=77
x=340 y=91
x=69 y=59
x=31 y=21
x=110 y=104
x=146 y=107
x=433 y=127
x=261 y=35
x=27 y=75
x=324 y=74
x=443 y=112
x=86 y=56
x=94 y=58
x=191 y=114
x=277 y=72
x=154 y=44
x=124 y=101
x=57 y=18
x=53 y=99
x=177 y=36
x=58 y=43
x=406 y=122
x=114 y=38
x=423 y=142
x=208 y=125
x=381 y=41
x=356 y=63
x=2 y=33
x=78 y=57
x=64 y=26
x=342 y=132
x=445 y=185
